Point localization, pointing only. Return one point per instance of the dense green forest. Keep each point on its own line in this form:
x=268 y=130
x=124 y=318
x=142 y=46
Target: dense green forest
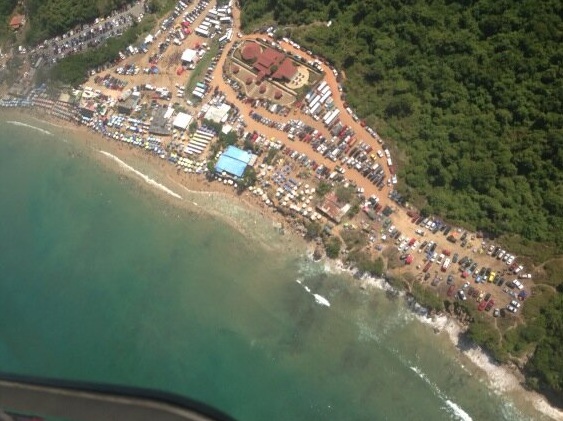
x=470 y=91
x=468 y=94
x=6 y=9
x=54 y=17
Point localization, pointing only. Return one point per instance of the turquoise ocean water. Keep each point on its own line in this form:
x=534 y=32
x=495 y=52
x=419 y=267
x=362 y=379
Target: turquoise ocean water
x=102 y=279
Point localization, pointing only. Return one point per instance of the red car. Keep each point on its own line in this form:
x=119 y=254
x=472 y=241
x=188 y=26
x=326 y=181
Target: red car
x=482 y=305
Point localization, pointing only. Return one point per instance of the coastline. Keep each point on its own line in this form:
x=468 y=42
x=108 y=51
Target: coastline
x=187 y=191
x=501 y=378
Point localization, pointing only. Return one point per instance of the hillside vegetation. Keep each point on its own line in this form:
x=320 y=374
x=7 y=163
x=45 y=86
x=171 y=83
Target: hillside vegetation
x=469 y=94
x=54 y=17
x=470 y=91
x=7 y=7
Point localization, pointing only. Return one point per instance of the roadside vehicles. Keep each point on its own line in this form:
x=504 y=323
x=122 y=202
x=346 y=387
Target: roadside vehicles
x=518 y=284
x=515 y=303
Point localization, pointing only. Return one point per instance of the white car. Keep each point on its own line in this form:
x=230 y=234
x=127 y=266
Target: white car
x=517 y=284
x=519 y=269
x=461 y=295
x=515 y=303
x=510 y=260
x=511 y=308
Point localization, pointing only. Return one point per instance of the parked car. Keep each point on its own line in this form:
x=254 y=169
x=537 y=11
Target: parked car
x=517 y=284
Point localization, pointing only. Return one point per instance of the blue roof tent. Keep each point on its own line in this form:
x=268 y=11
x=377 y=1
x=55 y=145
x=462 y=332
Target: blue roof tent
x=230 y=165
x=238 y=154
x=233 y=161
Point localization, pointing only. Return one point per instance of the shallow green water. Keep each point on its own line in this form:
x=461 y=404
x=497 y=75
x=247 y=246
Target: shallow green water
x=103 y=280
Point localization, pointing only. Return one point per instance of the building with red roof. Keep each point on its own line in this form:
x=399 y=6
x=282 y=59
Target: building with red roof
x=251 y=51
x=268 y=62
x=17 y=22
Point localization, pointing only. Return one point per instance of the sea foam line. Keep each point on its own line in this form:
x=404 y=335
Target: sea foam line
x=319 y=299
x=29 y=126
x=145 y=177
x=452 y=407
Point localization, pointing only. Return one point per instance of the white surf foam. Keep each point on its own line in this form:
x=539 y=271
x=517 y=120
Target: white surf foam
x=453 y=408
x=145 y=177
x=321 y=300
x=29 y=126
x=460 y=413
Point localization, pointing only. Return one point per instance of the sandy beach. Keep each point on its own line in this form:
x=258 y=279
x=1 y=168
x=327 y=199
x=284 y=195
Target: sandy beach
x=169 y=176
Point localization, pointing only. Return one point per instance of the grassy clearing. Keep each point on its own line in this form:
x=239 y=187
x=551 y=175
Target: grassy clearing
x=201 y=66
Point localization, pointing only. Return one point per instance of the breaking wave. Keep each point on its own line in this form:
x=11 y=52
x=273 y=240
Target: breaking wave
x=29 y=126
x=145 y=177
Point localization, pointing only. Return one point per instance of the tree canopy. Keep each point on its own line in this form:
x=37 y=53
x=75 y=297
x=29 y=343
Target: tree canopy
x=54 y=17
x=470 y=91
x=469 y=94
